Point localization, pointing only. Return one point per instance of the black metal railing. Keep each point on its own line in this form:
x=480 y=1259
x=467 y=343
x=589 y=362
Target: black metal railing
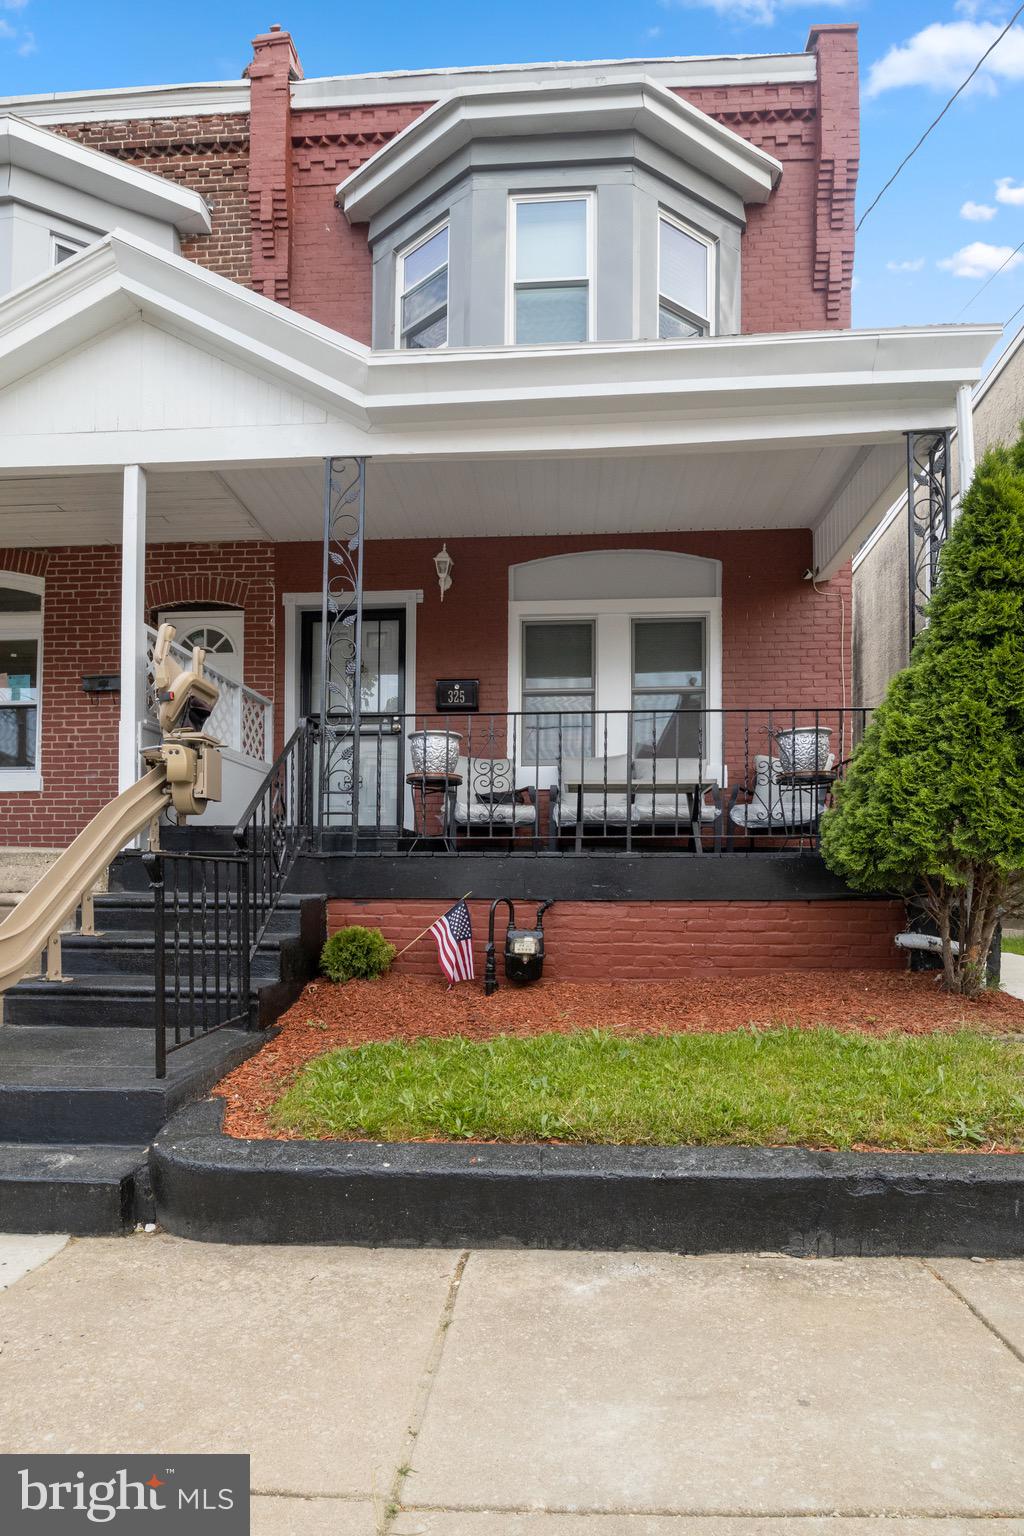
x=201 y=939
x=275 y=825
x=686 y=779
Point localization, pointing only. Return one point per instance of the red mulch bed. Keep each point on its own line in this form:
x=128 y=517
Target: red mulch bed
x=409 y=1008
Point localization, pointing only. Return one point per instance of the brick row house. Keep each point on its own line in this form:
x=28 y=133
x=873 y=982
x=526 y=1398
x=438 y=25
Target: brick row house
x=577 y=337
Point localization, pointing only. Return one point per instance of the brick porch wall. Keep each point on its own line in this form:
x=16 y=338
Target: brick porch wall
x=81 y=626
x=659 y=941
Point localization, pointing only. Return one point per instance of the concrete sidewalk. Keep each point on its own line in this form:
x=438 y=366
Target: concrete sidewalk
x=538 y=1394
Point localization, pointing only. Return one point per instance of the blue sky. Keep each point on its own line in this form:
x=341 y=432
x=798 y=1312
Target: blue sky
x=922 y=254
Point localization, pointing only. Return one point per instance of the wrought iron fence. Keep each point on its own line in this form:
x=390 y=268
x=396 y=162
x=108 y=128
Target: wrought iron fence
x=201 y=942
x=275 y=824
x=686 y=779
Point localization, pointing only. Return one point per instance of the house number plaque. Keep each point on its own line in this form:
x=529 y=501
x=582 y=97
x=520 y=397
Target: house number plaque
x=457 y=693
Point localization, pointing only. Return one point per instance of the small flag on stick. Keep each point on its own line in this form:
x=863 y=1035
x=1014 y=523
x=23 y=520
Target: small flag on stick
x=453 y=936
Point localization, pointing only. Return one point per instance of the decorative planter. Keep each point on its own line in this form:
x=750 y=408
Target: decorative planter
x=804 y=749
x=434 y=751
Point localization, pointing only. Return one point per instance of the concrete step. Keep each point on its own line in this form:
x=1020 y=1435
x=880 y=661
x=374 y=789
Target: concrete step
x=86 y=1189
x=110 y=999
x=126 y=953
x=133 y=910
x=61 y=1085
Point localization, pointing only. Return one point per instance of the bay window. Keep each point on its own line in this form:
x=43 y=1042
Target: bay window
x=549 y=261
x=21 y=605
x=685 y=281
x=422 y=318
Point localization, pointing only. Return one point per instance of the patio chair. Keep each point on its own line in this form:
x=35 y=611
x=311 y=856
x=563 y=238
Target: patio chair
x=658 y=805
x=772 y=810
x=604 y=810
x=488 y=801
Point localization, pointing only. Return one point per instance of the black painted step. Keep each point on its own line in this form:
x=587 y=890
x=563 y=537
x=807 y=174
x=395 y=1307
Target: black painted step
x=126 y=953
x=85 y=1189
x=60 y=1084
x=133 y=911
x=100 y=1001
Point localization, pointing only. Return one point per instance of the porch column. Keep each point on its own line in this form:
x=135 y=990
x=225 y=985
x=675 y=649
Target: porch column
x=133 y=640
x=964 y=441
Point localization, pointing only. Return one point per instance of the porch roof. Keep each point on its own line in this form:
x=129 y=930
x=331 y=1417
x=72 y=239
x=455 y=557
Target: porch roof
x=129 y=354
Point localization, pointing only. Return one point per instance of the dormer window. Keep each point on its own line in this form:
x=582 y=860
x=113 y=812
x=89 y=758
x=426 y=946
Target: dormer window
x=685 y=280
x=549 y=258
x=423 y=291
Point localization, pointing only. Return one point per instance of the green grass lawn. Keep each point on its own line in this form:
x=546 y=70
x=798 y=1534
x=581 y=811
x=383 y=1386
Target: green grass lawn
x=794 y=1087
x=1013 y=943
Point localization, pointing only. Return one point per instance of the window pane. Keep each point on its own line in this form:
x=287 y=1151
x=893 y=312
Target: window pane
x=17 y=600
x=425 y=258
x=684 y=269
x=672 y=325
x=551 y=240
x=425 y=300
x=563 y=726
x=551 y=314
x=671 y=732
x=558 y=658
x=433 y=334
x=18 y=671
x=668 y=653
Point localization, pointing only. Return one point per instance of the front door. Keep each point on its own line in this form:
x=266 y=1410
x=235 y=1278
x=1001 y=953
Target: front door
x=382 y=704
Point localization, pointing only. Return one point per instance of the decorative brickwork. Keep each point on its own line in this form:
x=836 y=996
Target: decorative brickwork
x=662 y=940
x=275 y=65
x=838 y=162
x=209 y=155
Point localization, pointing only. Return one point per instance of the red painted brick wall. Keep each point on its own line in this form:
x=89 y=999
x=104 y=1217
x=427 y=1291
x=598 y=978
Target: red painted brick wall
x=209 y=155
x=662 y=941
x=81 y=618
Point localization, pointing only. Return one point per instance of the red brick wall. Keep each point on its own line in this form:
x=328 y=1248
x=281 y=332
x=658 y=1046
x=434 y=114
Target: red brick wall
x=209 y=155
x=782 y=642
x=81 y=621
x=662 y=941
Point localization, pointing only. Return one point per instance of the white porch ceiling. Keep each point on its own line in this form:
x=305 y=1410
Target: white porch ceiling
x=769 y=488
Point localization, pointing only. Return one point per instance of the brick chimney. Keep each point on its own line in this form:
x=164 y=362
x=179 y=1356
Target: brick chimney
x=838 y=162
x=274 y=66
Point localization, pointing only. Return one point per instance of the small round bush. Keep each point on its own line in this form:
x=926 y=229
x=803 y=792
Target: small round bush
x=356 y=954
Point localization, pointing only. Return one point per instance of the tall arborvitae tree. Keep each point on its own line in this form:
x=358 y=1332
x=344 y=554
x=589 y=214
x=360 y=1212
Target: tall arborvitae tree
x=933 y=801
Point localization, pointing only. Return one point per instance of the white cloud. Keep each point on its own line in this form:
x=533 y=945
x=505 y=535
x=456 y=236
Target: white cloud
x=27 y=44
x=981 y=260
x=1006 y=192
x=978 y=213
x=914 y=265
x=756 y=13
x=943 y=54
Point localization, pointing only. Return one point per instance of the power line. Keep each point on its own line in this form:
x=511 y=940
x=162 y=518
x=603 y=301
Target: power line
x=1016 y=251
x=938 y=120
x=1013 y=317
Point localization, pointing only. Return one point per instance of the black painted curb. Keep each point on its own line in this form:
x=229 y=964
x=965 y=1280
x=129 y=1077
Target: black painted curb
x=213 y=1188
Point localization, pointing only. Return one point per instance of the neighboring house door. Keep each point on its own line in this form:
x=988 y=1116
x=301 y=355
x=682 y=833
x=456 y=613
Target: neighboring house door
x=382 y=701
x=221 y=632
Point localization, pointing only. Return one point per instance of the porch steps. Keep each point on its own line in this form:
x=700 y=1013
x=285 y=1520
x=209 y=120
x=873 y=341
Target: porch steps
x=79 y=1098
x=84 y=1189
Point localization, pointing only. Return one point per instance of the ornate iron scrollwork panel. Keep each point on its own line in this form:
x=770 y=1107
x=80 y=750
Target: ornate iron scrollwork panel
x=341 y=662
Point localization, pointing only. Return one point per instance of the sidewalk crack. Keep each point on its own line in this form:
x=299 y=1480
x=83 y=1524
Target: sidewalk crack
x=1018 y=1354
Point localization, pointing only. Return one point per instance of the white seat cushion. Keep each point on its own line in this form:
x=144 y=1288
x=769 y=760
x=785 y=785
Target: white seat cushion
x=599 y=808
x=479 y=814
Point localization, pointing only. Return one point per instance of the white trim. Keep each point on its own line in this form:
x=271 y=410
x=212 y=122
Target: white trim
x=202 y=99
x=26 y=626
x=710 y=319
x=133 y=625
x=71 y=164
x=230 y=620
x=585 y=196
x=401 y=256
x=633 y=103
x=297 y=603
x=70 y=242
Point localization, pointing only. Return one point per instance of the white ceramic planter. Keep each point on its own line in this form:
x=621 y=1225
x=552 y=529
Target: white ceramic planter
x=805 y=749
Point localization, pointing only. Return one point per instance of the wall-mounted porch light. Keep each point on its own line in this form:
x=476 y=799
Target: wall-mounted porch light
x=443 y=564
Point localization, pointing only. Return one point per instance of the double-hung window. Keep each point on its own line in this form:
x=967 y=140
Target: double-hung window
x=422 y=319
x=550 y=262
x=669 y=688
x=557 y=690
x=686 y=279
x=21 y=604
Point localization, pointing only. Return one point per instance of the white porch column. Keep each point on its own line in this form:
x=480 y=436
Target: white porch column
x=133 y=640
x=964 y=439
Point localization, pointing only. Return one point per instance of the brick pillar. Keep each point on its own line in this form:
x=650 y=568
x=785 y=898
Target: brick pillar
x=838 y=160
x=274 y=66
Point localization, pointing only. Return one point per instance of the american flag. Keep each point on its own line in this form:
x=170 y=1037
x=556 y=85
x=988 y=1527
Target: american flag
x=454 y=939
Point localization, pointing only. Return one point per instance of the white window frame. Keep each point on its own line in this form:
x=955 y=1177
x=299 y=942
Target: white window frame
x=515 y=198
x=710 y=319
x=71 y=242
x=230 y=620
x=612 y=618
x=400 y=290
x=26 y=626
